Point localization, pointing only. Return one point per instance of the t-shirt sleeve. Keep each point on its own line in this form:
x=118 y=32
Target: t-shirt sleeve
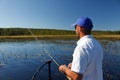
x=80 y=60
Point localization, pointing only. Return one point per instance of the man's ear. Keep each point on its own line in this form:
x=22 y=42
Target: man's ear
x=81 y=29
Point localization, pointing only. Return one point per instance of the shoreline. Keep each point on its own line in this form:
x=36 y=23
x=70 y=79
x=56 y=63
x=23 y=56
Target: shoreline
x=100 y=37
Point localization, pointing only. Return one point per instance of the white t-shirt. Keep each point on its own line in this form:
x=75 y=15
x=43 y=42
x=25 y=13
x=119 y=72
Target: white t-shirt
x=87 y=58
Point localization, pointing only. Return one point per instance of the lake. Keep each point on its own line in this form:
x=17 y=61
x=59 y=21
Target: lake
x=19 y=60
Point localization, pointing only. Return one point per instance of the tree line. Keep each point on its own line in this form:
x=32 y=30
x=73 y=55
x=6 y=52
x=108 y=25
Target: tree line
x=24 y=31
x=97 y=32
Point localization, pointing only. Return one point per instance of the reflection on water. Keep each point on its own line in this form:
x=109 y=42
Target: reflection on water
x=19 y=60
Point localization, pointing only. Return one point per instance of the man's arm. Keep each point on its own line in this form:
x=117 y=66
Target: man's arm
x=73 y=75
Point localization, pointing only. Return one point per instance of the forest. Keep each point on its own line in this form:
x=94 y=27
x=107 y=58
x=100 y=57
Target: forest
x=25 y=31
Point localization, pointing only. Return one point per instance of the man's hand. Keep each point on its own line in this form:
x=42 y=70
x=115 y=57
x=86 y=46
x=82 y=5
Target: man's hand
x=69 y=65
x=71 y=74
x=62 y=68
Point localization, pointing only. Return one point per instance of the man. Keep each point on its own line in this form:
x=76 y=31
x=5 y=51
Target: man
x=87 y=56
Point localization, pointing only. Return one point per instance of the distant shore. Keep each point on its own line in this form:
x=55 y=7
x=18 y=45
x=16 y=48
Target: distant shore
x=24 y=33
x=67 y=37
x=107 y=37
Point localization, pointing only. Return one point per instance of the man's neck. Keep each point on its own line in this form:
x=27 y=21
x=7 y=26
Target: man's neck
x=82 y=35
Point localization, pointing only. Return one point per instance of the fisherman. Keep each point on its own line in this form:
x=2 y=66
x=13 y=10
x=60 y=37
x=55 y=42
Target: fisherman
x=87 y=56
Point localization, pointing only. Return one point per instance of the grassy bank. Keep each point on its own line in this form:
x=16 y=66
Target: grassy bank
x=107 y=37
x=69 y=37
x=65 y=37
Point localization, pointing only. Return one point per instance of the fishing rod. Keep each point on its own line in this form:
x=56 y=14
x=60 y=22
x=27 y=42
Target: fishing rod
x=67 y=78
x=44 y=48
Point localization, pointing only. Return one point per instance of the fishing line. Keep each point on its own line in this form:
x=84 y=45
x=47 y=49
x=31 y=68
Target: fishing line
x=44 y=48
x=67 y=78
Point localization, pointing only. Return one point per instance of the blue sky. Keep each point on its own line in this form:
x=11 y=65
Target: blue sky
x=59 y=14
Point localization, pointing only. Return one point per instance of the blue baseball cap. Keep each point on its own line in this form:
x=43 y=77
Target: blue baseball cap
x=84 y=22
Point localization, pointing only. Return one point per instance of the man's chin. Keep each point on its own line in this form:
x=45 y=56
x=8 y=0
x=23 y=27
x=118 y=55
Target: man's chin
x=77 y=36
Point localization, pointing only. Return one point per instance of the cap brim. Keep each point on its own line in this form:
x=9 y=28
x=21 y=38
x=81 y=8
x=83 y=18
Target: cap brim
x=73 y=24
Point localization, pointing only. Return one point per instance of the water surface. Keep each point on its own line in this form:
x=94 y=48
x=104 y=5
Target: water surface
x=20 y=59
